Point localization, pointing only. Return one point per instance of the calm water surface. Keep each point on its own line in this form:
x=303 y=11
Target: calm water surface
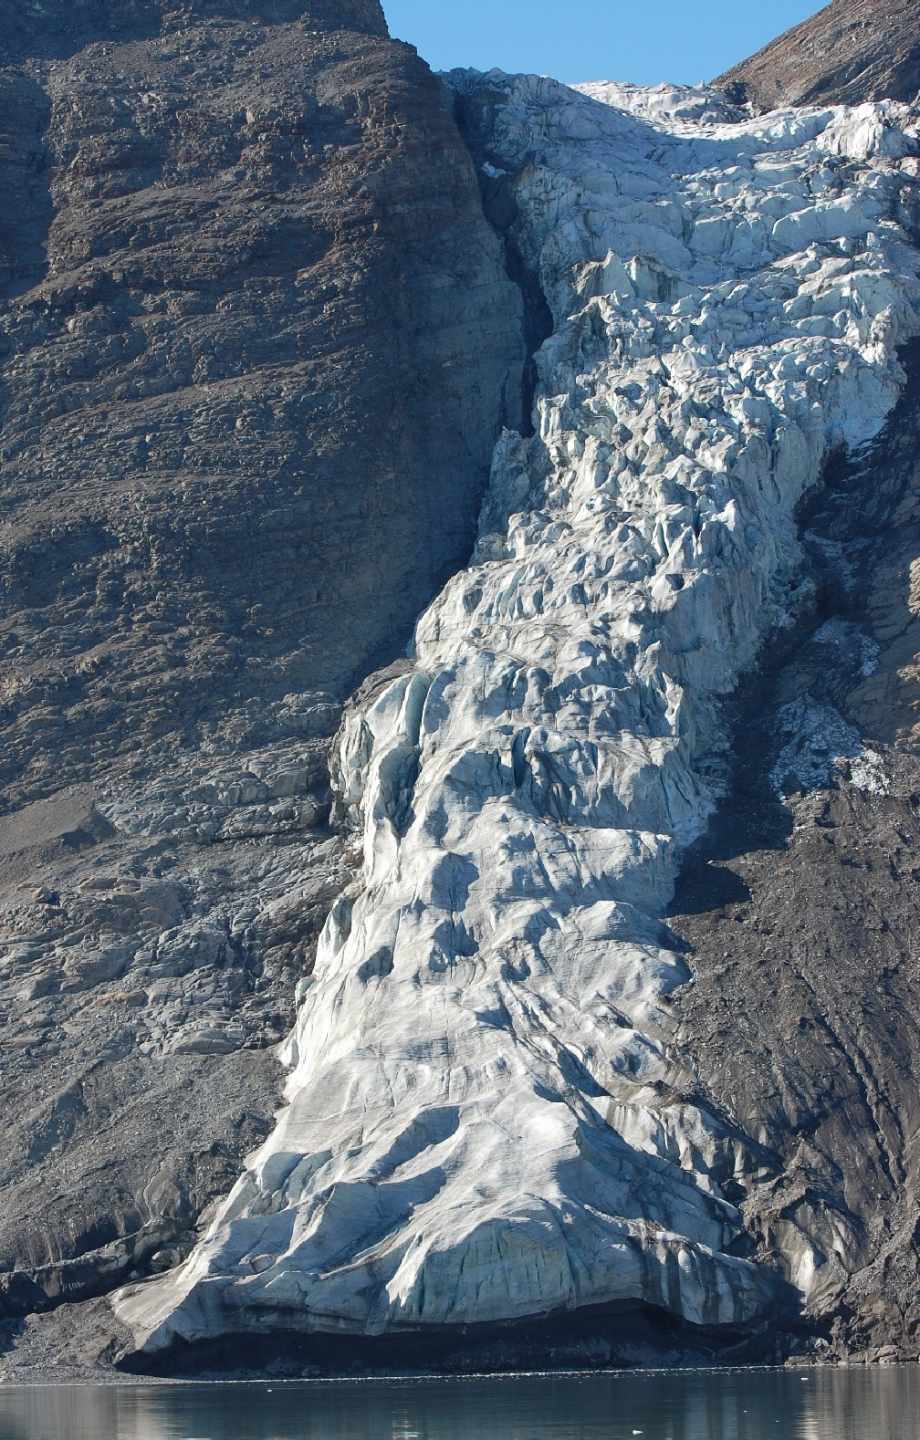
x=731 y=1405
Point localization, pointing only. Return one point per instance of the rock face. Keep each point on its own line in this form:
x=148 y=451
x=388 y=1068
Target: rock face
x=234 y=354
x=256 y=345
x=501 y=1107
x=802 y=911
x=851 y=51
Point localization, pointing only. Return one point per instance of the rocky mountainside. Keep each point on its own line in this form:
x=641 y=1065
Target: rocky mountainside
x=256 y=345
x=850 y=52
x=478 y=521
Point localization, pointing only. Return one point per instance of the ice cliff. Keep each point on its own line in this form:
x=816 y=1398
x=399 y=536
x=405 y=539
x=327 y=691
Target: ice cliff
x=487 y=1117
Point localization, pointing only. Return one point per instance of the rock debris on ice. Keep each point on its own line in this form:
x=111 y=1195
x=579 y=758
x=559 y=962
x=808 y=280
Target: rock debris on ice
x=486 y=1120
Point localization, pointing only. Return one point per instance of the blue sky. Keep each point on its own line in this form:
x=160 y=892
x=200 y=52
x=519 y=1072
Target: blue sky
x=594 y=39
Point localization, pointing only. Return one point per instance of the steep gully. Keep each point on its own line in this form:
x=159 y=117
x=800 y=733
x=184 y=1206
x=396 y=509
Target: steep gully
x=619 y=1180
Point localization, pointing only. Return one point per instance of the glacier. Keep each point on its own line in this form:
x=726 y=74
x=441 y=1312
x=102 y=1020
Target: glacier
x=488 y=1118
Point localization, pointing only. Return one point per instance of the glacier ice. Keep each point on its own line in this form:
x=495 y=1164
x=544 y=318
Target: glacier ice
x=487 y=1117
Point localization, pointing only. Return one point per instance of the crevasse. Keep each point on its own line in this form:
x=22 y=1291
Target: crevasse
x=486 y=1117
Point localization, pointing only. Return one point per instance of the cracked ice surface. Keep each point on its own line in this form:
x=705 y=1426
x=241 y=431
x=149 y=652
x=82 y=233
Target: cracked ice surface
x=485 y=1120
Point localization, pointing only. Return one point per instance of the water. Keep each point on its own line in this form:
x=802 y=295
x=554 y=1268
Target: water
x=853 y=1404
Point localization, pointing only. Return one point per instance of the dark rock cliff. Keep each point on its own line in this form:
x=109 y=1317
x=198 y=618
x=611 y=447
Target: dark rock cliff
x=247 y=275
x=852 y=50
x=256 y=345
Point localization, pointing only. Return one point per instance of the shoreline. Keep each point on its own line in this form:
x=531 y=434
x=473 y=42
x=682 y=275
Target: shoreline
x=272 y=1382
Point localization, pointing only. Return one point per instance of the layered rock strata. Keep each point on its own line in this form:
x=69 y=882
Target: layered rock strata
x=256 y=345
x=490 y=1117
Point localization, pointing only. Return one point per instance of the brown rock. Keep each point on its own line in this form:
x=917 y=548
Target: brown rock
x=851 y=51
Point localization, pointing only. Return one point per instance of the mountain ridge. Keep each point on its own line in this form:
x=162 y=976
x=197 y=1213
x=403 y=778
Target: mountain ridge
x=849 y=52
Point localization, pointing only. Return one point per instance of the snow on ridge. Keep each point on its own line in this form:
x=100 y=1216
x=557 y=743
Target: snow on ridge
x=487 y=1120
